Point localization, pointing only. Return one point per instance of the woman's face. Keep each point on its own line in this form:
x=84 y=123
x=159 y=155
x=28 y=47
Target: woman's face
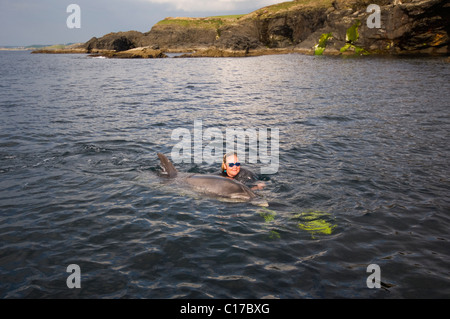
x=232 y=171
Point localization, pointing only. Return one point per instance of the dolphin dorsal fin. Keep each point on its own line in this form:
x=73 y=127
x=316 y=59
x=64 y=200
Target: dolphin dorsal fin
x=167 y=165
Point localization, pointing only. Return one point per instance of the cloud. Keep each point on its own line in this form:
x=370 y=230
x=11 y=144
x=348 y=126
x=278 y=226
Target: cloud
x=215 y=5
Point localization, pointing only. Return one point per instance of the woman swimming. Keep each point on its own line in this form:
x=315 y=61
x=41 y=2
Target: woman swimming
x=231 y=168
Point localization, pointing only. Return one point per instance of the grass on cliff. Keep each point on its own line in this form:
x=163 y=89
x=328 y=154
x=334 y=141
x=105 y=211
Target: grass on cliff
x=228 y=17
x=284 y=6
x=342 y=4
x=214 y=22
x=55 y=47
x=290 y=4
x=204 y=23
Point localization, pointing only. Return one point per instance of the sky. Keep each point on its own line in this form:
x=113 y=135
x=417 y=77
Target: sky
x=32 y=22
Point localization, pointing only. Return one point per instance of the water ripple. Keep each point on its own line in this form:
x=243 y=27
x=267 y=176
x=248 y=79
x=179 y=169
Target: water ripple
x=363 y=178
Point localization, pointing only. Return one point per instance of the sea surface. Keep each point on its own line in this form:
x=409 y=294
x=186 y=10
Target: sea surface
x=363 y=178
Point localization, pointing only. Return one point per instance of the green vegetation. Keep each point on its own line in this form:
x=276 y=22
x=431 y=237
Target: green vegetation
x=352 y=34
x=193 y=23
x=316 y=223
x=313 y=221
x=273 y=234
x=267 y=214
x=269 y=217
x=289 y=4
x=56 y=47
x=351 y=37
x=320 y=47
x=213 y=22
x=233 y=16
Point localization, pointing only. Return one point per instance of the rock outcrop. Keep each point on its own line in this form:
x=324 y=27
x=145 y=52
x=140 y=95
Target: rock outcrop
x=120 y=41
x=306 y=26
x=413 y=27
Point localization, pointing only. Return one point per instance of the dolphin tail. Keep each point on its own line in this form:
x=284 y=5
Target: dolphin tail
x=167 y=165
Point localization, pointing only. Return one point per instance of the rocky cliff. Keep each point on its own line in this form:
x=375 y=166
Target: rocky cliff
x=307 y=26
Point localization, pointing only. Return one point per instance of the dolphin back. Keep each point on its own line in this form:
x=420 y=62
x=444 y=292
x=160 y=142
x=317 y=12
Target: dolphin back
x=220 y=186
x=167 y=165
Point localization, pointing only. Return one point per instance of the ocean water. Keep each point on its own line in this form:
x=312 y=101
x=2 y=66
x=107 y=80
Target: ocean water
x=363 y=178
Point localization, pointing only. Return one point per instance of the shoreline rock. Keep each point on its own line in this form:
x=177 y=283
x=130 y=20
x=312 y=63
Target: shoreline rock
x=135 y=53
x=325 y=27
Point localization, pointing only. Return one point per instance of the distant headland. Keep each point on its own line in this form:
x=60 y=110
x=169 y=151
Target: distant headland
x=320 y=27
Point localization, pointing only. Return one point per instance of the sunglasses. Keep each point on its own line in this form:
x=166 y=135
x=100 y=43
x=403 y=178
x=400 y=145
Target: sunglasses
x=232 y=164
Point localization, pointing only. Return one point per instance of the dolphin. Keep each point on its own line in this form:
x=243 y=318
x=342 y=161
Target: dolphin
x=211 y=184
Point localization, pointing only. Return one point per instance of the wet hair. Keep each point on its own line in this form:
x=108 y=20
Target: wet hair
x=224 y=161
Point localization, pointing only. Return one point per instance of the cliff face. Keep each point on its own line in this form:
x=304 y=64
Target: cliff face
x=263 y=29
x=333 y=27
x=413 y=27
x=183 y=33
x=119 y=41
